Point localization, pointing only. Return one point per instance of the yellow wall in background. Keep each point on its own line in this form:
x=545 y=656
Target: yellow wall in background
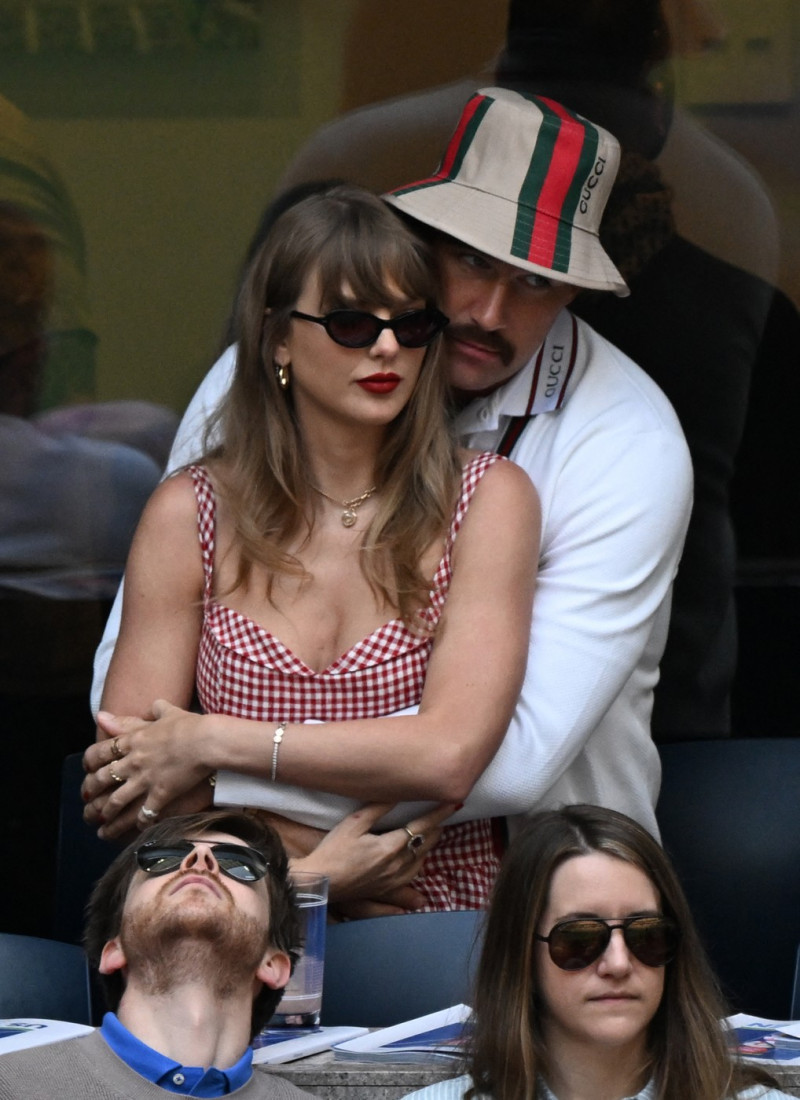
x=169 y=205
x=169 y=201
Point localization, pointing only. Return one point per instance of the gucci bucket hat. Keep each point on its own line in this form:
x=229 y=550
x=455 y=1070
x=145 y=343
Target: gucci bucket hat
x=525 y=180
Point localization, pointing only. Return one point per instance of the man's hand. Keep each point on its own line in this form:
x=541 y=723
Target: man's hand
x=369 y=873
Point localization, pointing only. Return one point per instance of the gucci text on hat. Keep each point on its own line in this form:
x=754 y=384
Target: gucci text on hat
x=524 y=180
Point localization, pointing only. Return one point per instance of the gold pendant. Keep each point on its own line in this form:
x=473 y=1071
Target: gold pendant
x=349 y=517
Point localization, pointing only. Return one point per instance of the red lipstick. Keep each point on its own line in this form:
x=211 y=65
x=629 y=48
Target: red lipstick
x=380 y=383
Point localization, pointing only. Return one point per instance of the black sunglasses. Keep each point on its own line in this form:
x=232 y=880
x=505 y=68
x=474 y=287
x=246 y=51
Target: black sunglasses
x=234 y=860
x=354 y=328
x=576 y=944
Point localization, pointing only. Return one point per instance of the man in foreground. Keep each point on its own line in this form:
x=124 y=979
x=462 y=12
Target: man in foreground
x=193 y=932
x=515 y=210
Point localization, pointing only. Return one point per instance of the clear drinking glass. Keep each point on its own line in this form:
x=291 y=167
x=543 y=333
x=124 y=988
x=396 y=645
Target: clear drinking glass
x=302 y=999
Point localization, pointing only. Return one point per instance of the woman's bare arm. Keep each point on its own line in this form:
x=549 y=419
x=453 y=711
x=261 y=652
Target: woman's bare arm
x=156 y=652
x=474 y=676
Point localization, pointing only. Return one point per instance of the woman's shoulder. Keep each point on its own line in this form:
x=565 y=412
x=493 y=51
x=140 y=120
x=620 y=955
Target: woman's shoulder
x=189 y=483
x=175 y=491
x=173 y=504
x=507 y=480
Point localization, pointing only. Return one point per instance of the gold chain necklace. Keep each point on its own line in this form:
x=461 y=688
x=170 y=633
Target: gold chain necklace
x=349 y=507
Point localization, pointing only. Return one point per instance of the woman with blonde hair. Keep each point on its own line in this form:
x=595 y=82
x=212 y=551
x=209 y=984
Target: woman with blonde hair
x=592 y=980
x=352 y=562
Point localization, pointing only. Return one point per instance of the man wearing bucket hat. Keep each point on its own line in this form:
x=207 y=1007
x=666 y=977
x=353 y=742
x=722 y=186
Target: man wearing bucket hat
x=698 y=242
x=515 y=208
x=526 y=181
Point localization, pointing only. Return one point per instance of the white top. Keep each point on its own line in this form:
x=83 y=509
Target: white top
x=455 y=1087
x=614 y=476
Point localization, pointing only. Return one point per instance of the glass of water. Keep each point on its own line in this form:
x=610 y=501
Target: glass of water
x=302 y=999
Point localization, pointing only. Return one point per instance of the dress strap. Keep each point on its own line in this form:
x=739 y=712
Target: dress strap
x=471 y=477
x=206 y=524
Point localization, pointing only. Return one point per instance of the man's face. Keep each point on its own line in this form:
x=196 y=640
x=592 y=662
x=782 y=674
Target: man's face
x=196 y=923
x=499 y=315
x=198 y=883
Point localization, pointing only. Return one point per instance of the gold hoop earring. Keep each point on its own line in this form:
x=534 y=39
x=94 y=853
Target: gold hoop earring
x=282 y=374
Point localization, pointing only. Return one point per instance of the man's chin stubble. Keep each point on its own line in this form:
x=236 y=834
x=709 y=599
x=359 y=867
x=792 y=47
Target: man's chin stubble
x=213 y=945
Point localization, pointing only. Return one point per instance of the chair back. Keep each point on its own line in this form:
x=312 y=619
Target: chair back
x=43 y=978
x=385 y=970
x=729 y=814
x=81 y=856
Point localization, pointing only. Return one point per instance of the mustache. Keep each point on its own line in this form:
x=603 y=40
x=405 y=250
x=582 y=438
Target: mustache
x=474 y=334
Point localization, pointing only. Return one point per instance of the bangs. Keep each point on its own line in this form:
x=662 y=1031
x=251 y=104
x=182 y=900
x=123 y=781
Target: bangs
x=374 y=268
x=352 y=243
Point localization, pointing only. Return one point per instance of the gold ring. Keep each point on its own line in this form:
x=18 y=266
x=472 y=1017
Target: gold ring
x=415 y=840
x=114 y=776
x=116 y=751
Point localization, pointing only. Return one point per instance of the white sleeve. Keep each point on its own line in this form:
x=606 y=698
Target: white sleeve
x=187 y=445
x=315 y=808
x=612 y=540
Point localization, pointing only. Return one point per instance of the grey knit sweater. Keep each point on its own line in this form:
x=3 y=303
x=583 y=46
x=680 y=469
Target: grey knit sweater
x=87 y=1069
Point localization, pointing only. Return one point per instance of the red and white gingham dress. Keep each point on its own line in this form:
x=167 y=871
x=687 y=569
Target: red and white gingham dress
x=244 y=670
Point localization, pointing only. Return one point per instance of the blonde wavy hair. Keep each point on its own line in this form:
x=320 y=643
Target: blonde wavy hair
x=348 y=238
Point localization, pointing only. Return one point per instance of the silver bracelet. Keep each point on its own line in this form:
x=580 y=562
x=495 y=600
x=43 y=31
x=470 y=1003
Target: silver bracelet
x=277 y=737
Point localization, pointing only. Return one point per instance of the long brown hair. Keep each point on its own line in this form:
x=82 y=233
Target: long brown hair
x=347 y=237
x=689 y=1056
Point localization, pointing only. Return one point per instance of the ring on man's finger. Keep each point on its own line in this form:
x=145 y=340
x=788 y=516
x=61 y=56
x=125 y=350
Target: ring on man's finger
x=114 y=776
x=148 y=815
x=415 y=840
x=116 y=751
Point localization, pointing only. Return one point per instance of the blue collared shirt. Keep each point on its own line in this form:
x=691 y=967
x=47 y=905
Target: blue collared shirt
x=169 y=1074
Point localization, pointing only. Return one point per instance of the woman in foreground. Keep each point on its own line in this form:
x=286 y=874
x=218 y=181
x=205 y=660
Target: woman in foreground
x=593 y=984
x=334 y=558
